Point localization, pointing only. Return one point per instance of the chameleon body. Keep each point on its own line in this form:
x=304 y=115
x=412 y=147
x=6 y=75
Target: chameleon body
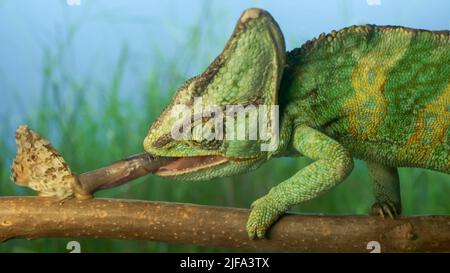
x=376 y=93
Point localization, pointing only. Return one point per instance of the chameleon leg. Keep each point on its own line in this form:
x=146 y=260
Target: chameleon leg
x=333 y=163
x=386 y=188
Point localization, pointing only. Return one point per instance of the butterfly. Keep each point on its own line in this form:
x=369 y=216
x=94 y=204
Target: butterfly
x=40 y=167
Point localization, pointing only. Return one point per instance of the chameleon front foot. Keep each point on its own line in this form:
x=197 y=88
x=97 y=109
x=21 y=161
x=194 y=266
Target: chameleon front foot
x=264 y=212
x=383 y=209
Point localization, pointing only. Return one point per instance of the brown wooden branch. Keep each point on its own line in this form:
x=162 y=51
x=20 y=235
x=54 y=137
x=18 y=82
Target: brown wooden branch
x=37 y=217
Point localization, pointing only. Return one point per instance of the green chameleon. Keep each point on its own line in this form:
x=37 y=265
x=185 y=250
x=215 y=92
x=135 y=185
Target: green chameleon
x=376 y=93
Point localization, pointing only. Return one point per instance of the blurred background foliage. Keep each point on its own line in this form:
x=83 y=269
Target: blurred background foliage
x=92 y=78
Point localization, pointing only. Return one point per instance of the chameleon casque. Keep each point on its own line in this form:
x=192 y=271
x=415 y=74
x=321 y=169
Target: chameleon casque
x=376 y=93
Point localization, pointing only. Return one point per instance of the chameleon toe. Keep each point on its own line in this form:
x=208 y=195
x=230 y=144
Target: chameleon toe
x=384 y=209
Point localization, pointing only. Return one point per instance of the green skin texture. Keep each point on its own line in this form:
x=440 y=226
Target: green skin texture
x=380 y=94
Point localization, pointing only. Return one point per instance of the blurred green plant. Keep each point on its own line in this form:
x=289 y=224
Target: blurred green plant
x=91 y=124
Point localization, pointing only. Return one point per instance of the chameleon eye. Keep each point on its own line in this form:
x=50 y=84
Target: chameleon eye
x=206 y=144
x=195 y=143
x=212 y=144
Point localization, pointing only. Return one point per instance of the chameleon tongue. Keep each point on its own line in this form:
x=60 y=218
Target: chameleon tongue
x=192 y=163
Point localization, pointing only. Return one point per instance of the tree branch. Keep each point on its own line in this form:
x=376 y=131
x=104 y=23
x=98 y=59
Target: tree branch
x=36 y=217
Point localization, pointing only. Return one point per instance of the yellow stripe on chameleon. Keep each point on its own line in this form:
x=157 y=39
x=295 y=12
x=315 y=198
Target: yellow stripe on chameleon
x=432 y=124
x=369 y=77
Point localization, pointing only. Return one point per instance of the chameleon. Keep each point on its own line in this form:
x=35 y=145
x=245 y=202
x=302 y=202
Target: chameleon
x=376 y=93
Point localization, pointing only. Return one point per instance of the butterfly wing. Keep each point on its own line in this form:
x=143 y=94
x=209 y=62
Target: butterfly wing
x=39 y=166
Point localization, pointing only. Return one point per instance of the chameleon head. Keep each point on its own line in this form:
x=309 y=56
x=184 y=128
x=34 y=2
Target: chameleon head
x=202 y=122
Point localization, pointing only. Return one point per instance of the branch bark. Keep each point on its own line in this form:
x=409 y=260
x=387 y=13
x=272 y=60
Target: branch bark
x=37 y=217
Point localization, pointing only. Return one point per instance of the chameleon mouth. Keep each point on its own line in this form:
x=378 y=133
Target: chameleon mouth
x=190 y=164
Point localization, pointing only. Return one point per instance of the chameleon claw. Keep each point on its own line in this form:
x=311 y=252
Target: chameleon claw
x=262 y=234
x=251 y=234
x=378 y=211
x=384 y=209
x=255 y=233
x=390 y=211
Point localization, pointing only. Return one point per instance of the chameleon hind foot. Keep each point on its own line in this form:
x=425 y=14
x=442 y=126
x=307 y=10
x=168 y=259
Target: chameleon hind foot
x=264 y=212
x=386 y=186
x=384 y=209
